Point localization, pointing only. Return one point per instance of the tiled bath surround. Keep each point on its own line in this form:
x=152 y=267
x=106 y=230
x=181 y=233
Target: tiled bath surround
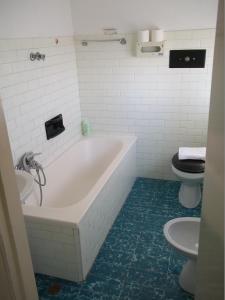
x=165 y=108
x=33 y=92
x=68 y=250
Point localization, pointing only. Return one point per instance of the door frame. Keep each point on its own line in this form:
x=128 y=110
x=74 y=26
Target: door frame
x=16 y=271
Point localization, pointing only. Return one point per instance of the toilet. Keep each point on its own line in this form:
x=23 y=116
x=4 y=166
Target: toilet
x=191 y=174
x=183 y=235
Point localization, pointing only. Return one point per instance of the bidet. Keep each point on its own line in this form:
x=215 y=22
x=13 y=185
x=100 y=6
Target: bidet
x=183 y=235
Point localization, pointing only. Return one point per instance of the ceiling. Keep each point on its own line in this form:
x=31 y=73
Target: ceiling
x=91 y=16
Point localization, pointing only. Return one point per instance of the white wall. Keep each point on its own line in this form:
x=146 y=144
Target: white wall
x=166 y=108
x=90 y=17
x=33 y=92
x=31 y=18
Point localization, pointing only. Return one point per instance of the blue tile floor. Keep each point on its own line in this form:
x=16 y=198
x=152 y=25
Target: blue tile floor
x=135 y=262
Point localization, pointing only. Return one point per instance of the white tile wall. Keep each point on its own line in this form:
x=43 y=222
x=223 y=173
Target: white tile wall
x=33 y=92
x=119 y=92
x=166 y=108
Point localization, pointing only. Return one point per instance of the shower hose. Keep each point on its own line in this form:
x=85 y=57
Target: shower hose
x=26 y=163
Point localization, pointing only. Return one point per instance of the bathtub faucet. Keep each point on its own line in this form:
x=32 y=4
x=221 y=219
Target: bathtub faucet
x=30 y=162
x=26 y=163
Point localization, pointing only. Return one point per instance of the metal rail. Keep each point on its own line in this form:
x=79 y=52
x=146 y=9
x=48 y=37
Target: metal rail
x=122 y=41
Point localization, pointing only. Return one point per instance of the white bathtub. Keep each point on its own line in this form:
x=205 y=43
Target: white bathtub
x=86 y=188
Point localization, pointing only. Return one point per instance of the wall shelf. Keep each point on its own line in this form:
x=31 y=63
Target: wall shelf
x=150 y=49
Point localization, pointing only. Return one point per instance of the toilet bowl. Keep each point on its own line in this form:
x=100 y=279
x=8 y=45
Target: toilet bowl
x=183 y=235
x=191 y=174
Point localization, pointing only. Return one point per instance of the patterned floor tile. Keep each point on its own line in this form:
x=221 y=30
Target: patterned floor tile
x=146 y=278
x=176 y=263
x=108 y=270
x=122 y=241
x=140 y=292
x=173 y=291
x=100 y=287
x=112 y=264
x=119 y=258
x=135 y=262
x=142 y=260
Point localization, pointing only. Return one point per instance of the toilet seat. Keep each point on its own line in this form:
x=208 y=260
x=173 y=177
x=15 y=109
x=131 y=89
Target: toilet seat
x=188 y=165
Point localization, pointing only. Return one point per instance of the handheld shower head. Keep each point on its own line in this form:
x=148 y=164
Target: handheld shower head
x=26 y=163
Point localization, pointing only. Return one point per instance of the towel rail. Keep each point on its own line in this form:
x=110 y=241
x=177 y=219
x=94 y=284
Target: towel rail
x=122 y=41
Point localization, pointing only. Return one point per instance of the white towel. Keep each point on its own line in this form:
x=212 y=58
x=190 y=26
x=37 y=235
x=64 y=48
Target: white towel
x=197 y=153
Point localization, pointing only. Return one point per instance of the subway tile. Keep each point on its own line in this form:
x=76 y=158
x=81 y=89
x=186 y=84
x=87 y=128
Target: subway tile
x=114 y=84
x=34 y=91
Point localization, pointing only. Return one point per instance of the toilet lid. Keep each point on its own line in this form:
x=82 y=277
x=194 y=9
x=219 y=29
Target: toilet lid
x=188 y=165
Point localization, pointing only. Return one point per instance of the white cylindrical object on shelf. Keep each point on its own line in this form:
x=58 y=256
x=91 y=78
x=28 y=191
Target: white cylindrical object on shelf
x=143 y=36
x=157 y=35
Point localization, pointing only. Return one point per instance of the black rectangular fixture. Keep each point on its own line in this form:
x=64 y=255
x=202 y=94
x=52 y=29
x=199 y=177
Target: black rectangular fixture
x=187 y=58
x=54 y=126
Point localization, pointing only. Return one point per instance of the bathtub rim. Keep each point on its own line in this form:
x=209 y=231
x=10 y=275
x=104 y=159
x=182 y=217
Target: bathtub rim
x=73 y=214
